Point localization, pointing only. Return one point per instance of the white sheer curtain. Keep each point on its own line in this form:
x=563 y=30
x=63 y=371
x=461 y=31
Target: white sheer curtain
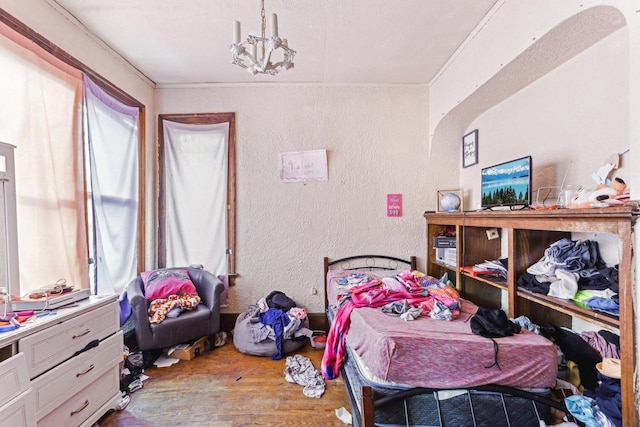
x=113 y=141
x=40 y=114
x=195 y=177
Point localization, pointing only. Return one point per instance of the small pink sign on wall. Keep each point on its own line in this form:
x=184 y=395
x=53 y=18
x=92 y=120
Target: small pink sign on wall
x=394 y=204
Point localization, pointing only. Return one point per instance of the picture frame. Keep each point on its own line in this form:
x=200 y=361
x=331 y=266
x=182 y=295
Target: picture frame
x=470 y=149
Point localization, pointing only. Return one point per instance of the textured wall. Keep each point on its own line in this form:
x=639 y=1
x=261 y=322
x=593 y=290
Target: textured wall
x=574 y=117
x=564 y=95
x=375 y=138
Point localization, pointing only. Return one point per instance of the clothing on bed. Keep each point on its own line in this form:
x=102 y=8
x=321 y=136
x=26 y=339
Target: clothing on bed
x=447 y=354
x=493 y=324
x=412 y=286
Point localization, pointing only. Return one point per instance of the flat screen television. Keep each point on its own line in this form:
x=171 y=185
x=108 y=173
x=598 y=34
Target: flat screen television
x=507 y=184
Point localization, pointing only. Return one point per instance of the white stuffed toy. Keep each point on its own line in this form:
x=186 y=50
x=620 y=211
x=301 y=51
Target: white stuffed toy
x=607 y=192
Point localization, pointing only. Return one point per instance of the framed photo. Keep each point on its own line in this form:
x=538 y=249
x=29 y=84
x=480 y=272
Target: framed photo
x=470 y=149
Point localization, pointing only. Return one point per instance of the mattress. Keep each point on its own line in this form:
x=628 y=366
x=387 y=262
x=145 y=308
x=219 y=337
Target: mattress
x=444 y=408
x=443 y=354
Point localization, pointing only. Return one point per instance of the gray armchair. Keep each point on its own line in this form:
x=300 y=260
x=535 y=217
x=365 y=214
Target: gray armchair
x=189 y=325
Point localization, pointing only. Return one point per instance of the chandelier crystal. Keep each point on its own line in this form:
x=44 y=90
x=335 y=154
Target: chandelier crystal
x=245 y=53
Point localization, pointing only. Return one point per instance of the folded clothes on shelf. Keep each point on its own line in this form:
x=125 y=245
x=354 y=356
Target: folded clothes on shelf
x=491 y=268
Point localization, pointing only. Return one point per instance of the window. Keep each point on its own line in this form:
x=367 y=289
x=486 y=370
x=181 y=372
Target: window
x=197 y=191
x=40 y=114
x=112 y=150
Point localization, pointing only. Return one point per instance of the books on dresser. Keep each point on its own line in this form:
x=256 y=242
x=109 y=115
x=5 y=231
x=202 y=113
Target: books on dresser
x=50 y=302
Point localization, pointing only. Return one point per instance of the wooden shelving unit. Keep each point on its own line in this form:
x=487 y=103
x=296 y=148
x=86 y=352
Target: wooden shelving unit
x=523 y=237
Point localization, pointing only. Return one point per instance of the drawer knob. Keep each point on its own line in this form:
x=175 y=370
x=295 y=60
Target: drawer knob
x=84 y=405
x=81 y=334
x=85 y=371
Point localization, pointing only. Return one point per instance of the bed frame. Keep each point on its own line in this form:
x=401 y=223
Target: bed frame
x=366 y=263
x=370 y=400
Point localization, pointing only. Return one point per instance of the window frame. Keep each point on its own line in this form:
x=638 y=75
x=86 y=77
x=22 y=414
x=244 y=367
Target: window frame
x=45 y=44
x=200 y=119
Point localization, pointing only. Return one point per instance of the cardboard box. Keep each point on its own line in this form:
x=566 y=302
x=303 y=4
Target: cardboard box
x=187 y=351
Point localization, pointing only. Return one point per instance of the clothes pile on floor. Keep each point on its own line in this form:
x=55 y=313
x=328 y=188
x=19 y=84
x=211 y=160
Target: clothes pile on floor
x=299 y=370
x=274 y=326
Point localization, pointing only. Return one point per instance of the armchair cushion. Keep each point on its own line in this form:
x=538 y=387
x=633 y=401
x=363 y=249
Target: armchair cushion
x=164 y=282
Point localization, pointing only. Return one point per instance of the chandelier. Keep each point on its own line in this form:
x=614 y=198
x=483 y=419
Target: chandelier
x=245 y=53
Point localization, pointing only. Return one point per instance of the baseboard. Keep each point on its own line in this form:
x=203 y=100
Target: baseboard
x=317 y=321
x=228 y=321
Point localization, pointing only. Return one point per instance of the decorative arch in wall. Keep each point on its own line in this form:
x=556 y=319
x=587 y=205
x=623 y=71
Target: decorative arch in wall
x=560 y=44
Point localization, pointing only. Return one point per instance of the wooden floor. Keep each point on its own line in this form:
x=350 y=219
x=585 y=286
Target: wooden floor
x=204 y=392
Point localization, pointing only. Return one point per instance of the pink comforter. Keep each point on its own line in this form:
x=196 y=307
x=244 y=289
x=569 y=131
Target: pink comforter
x=444 y=354
x=412 y=287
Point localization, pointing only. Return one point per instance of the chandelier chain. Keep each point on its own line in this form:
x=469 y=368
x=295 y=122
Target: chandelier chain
x=264 y=26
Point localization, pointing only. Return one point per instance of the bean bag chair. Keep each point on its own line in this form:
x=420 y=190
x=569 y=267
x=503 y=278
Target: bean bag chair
x=250 y=336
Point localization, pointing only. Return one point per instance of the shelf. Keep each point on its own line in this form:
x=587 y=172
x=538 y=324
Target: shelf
x=524 y=237
x=443 y=265
x=496 y=282
x=570 y=308
x=596 y=220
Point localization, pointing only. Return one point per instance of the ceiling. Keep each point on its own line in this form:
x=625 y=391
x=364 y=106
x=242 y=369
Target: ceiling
x=186 y=42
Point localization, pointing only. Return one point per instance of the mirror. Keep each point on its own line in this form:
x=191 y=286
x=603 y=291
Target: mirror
x=9 y=273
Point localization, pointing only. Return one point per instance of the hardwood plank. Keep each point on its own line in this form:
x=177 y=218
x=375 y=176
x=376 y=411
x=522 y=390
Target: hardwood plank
x=204 y=392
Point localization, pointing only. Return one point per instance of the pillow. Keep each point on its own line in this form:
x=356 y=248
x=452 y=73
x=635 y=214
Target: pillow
x=162 y=283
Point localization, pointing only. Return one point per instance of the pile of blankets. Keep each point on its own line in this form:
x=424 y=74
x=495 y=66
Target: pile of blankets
x=408 y=292
x=171 y=306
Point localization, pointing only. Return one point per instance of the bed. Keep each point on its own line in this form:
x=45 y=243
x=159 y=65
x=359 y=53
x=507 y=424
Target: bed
x=432 y=372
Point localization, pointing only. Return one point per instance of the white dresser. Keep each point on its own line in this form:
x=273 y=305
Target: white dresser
x=62 y=369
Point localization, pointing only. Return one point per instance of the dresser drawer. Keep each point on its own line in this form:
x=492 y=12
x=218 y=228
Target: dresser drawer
x=19 y=412
x=84 y=404
x=14 y=378
x=16 y=397
x=60 y=383
x=45 y=349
